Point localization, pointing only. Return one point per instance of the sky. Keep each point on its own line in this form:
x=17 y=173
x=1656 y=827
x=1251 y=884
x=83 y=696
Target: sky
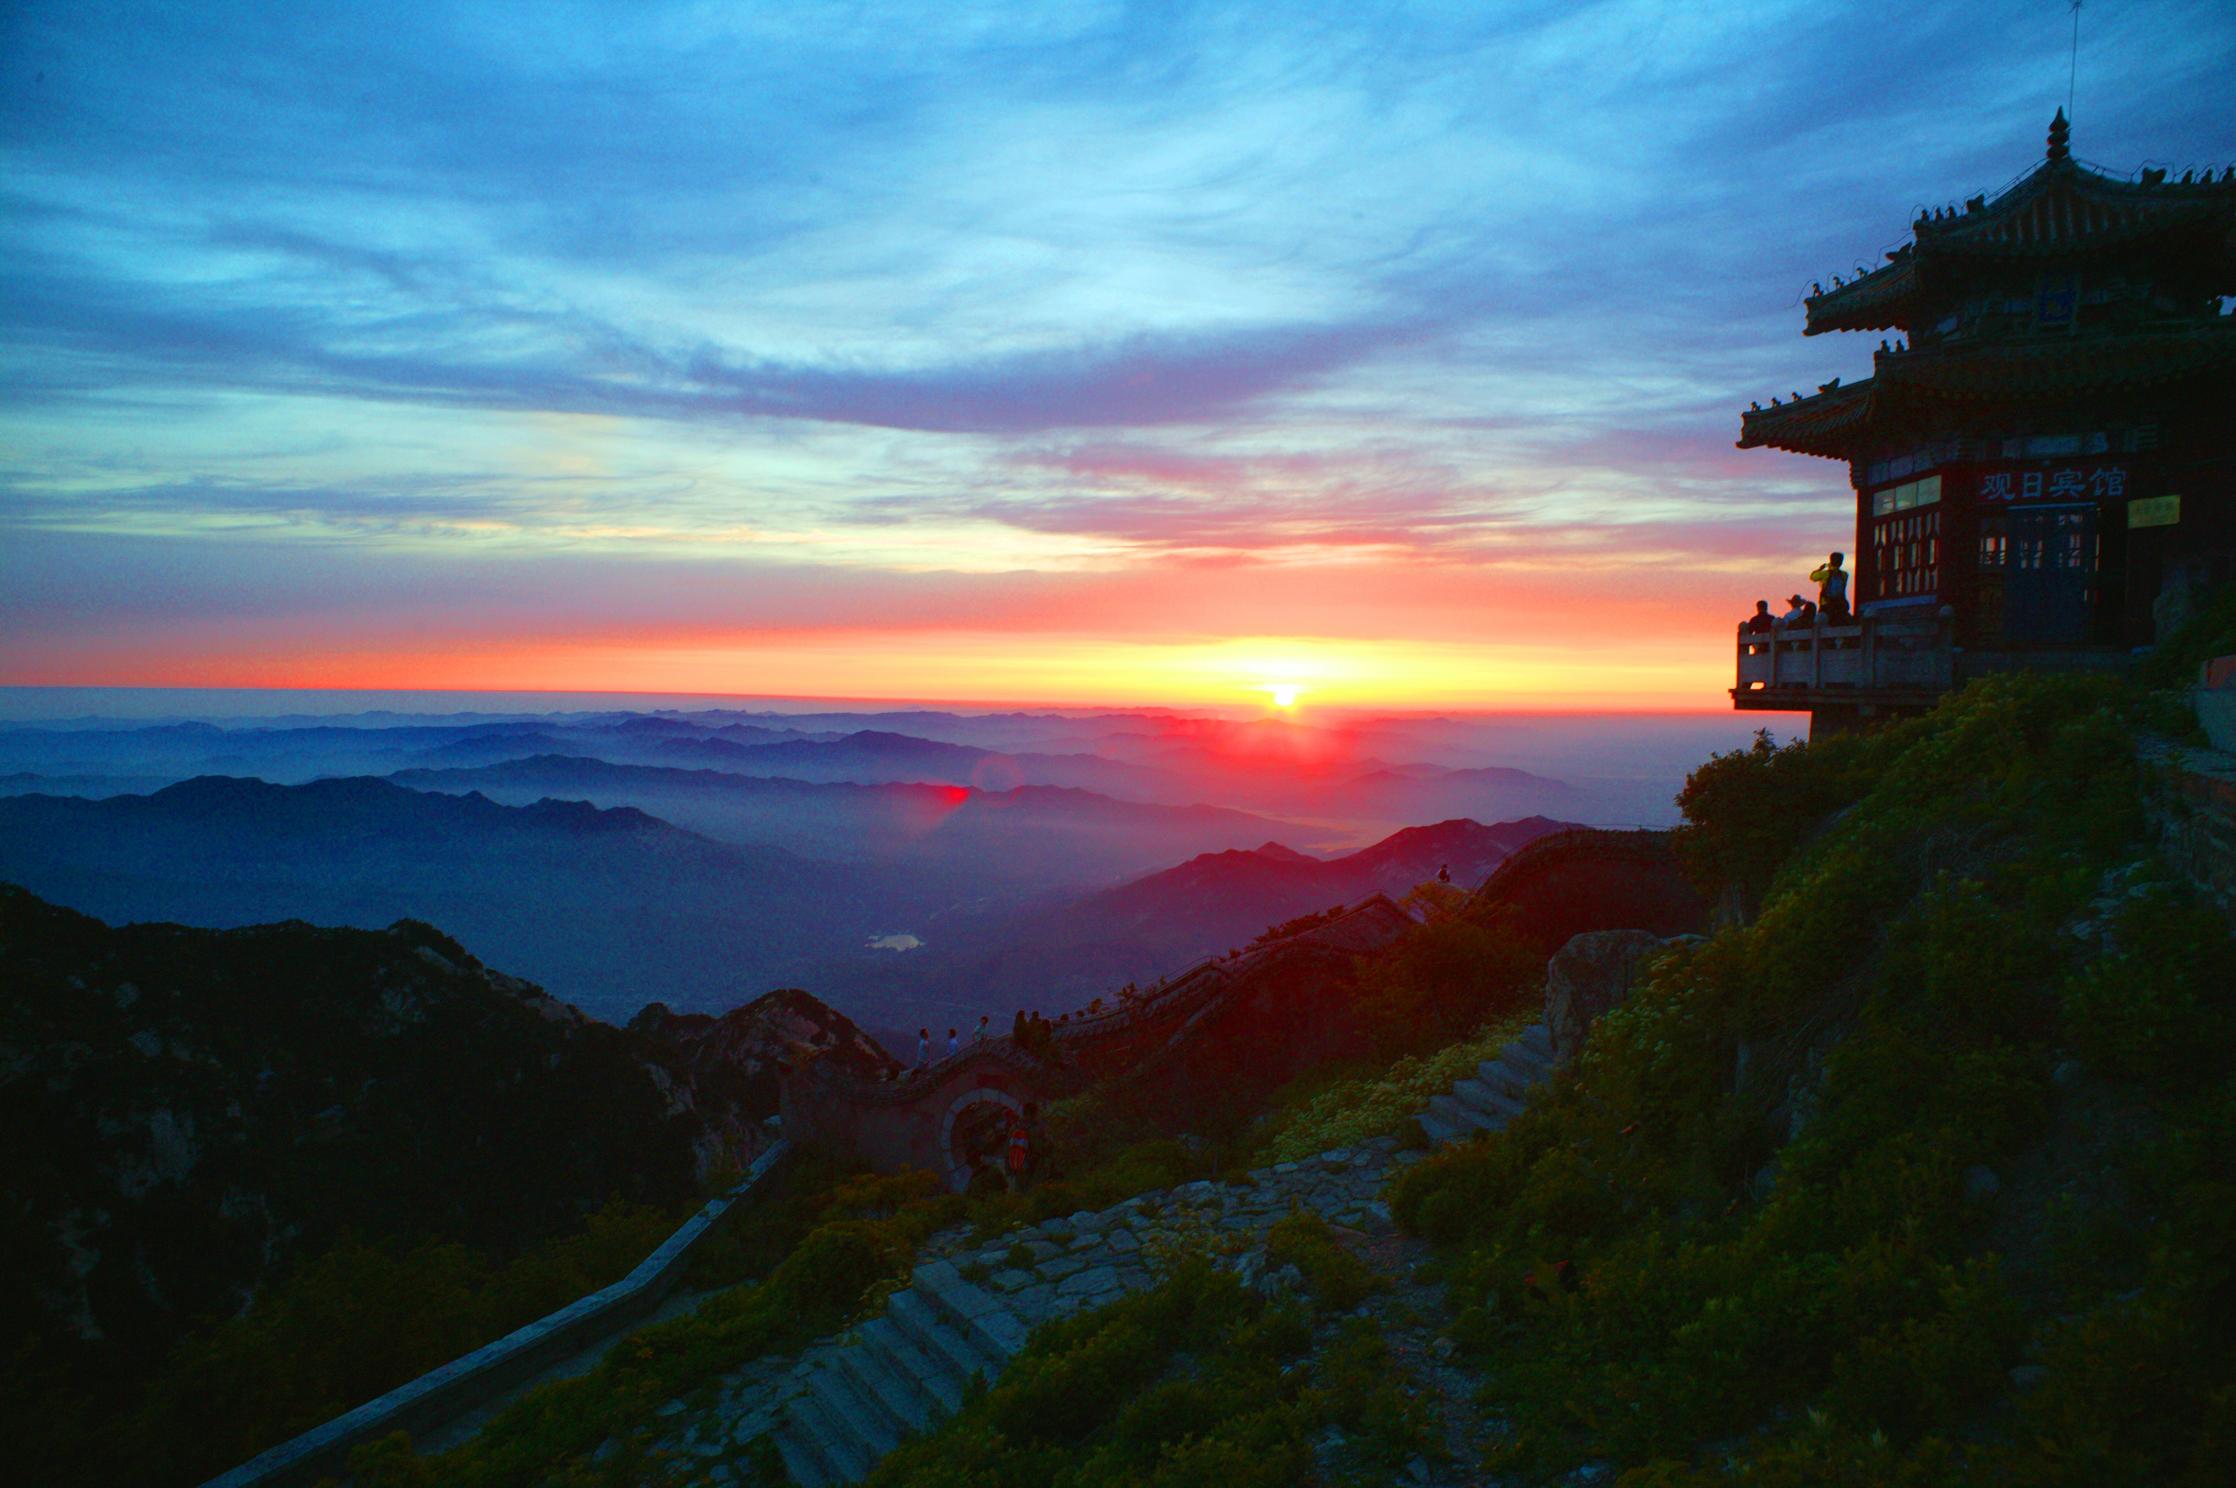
x=1041 y=352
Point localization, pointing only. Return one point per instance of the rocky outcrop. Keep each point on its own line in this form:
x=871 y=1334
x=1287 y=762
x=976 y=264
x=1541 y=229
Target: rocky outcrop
x=725 y=1073
x=1566 y=883
x=1588 y=976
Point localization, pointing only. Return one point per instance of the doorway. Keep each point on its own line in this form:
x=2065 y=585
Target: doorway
x=2050 y=576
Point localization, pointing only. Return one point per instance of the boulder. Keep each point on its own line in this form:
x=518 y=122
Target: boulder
x=1586 y=977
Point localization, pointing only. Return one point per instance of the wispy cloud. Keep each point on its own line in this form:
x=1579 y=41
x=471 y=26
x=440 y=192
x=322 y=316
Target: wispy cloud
x=998 y=293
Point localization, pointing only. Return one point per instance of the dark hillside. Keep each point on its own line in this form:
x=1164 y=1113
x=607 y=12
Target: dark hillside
x=1921 y=1176
x=382 y=1150
x=191 y=1111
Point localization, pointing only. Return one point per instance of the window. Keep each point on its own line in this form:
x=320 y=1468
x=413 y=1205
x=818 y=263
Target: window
x=1910 y=494
x=1906 y=541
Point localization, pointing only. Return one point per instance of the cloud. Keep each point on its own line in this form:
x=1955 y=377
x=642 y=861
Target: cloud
x=1203 y=310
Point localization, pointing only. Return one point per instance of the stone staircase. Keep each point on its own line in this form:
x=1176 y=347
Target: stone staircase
x=835 y=1411
x=894 y=1376
x=1494 y=1094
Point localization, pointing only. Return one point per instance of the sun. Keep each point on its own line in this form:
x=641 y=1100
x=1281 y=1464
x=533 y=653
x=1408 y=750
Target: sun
x=1284 y=696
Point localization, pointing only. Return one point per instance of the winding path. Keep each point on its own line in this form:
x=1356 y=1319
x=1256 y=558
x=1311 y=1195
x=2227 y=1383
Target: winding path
x=835 y=1410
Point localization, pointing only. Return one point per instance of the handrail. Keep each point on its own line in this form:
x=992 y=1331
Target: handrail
x=472 y=1379
x=1904 y=652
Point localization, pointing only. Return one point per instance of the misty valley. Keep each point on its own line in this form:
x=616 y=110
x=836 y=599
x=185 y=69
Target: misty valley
x=910 y=868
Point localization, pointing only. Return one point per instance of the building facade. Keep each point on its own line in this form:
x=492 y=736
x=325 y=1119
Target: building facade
x=2044 y=457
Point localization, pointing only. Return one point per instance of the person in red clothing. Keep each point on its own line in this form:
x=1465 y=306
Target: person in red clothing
x=1020 y=1153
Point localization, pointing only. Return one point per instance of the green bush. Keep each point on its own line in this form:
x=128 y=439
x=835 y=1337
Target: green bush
x=1757 y=1171
x=1337 y=1279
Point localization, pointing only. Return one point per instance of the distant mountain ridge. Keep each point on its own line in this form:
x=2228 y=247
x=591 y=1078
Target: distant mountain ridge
x=1061 y=953
x=1042 y=835
x=613 y=908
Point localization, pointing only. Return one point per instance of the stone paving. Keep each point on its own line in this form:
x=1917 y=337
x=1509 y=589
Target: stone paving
x=833 y=1411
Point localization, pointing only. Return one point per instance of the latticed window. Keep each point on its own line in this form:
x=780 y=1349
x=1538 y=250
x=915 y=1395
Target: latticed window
x=1906 y=549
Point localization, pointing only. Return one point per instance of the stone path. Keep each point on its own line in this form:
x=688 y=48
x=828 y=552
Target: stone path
x=835 y=1410
x=1494 y=1095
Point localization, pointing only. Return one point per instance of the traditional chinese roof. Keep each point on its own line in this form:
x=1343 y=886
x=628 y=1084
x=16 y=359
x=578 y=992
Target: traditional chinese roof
x=2059 y=210
x=1831 y=422
x=1822 y=425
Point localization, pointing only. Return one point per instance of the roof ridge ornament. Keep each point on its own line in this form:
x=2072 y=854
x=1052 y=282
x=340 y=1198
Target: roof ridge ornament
x=2061 y=134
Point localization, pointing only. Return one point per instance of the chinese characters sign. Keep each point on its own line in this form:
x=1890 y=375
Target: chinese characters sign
x=2063 y=483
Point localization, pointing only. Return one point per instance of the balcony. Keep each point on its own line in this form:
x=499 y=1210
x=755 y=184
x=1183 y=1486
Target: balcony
x=1872 y=662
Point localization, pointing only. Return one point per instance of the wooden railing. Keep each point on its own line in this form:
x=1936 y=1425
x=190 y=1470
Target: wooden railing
x=1908 y=654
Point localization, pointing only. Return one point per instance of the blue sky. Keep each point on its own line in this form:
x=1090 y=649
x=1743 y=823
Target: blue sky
x=1002 y=351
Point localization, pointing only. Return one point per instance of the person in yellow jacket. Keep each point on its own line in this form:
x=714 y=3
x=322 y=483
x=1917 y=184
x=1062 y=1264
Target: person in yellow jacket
x=1832 y=590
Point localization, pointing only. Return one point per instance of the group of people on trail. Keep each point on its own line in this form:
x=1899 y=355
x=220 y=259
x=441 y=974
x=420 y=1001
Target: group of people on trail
x=1033 y=1033
x=954 y=1042
x=1802 y=613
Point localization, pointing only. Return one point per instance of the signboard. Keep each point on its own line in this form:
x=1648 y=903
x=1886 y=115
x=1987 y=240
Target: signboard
x=2084 y=482
x=2154 y=511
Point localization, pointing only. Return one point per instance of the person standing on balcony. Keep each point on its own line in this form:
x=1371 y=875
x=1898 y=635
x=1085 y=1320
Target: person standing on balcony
x=1761 y=620
x=1801 y=616
x=1832 y=590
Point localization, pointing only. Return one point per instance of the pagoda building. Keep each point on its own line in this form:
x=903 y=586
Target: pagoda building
x=2044 y=455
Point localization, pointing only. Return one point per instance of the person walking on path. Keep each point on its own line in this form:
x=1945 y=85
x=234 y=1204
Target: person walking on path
x=978 y=1034
x=1020 y=1154
x=953 y=1048
x=923 y=1047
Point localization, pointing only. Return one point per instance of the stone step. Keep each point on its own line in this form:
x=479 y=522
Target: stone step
x=878 y=1380
x=1461 y=1119
x=826 y=1440
x=944 y=1345
x=977 y=1313
x=801 y=1464
x=852 y=1412
x=1500 y=1075
x=1439 y=1131
x=1495 y=1104
x=1536 y=1039
x=934 y=1381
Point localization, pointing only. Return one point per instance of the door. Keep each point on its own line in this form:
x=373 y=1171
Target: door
x=2050 y=575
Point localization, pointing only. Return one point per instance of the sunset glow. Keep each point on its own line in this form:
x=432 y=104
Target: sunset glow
x=1352 y=360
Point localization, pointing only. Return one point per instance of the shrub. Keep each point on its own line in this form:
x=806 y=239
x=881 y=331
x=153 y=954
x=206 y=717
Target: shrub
x=1337 y=1279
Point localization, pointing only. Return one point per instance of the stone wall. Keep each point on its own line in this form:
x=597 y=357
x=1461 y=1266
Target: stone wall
x=1588 y=977
x=2194 y=809
x=1567 y=883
